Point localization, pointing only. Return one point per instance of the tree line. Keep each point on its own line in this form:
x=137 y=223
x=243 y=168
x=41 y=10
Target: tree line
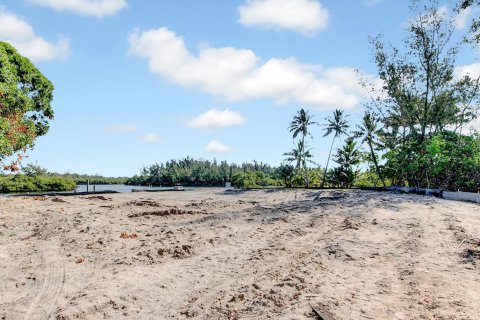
x=192 y=172
x=414 y=131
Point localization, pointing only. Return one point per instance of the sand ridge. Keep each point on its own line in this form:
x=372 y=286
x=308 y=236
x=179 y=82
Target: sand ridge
x=216 y=254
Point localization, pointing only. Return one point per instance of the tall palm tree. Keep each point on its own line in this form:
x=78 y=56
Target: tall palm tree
x=300 y=125
x=367 y=132
x=338 y=125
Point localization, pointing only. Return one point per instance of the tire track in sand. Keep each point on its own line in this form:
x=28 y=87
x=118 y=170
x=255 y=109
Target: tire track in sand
x=45 y=301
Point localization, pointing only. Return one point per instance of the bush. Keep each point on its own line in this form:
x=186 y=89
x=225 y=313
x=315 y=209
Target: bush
x=24 y=183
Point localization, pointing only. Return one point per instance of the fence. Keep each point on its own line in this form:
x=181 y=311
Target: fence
x=462 y=196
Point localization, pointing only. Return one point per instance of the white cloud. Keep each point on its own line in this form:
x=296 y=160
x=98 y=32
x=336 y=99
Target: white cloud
x=217 y=147
x=306 y=16
x=96 y=8
x=463 y=19
x=151 y=138
x=213 y=119
x=471 y=70
x=21 y=35
x=121 y=128
x=238 y=74
x=475 y=125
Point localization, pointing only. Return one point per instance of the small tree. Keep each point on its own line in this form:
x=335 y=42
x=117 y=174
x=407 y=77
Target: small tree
x=347 y=157
x=285 y=172
x=25 y=96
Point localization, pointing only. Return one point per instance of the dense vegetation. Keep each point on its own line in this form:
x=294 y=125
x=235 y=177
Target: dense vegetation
x=414 y=131
x=204 y=173
x=33 y=178
x=24 y=183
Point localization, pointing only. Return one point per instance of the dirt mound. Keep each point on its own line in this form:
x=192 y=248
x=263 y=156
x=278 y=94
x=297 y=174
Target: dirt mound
x=330 y=195
x=168 y=212
x=103 y=198
x=143 y=203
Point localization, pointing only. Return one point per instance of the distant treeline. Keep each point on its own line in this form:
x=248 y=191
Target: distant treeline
x=33 y=178
x=191 y=172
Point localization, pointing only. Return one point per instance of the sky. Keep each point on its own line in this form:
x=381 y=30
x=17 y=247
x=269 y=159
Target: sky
x=139 y=82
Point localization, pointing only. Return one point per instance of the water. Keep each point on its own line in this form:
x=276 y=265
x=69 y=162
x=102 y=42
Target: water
x=98 y=188
x=116 y=187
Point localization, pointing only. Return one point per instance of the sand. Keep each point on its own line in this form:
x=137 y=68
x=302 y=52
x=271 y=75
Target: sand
x=212 y=254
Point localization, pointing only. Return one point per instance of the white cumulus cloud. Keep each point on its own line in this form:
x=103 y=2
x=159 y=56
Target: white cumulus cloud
x=96 y=8
x=306 y=16
x=151 y=138
x=217 y=147
x=239 y=74
x=471 y=70
x=21 y=35
x=213 y=119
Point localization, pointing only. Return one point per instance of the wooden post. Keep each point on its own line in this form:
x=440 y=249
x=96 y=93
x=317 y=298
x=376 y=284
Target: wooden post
x=88 y=184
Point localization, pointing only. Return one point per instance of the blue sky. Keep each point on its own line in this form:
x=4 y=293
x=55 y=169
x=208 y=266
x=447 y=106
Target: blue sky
x=144 y=81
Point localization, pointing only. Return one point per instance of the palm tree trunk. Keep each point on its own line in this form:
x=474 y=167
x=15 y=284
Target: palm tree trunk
x=328 y=160
x=375 y=162
x=307 y=182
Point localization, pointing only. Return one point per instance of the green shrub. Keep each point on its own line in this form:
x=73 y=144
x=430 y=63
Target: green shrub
x=24 y=183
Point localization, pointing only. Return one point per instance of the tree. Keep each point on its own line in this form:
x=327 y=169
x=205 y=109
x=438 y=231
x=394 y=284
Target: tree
x=424 y=97
x=300 y=125
x=25 y=97
x=285 y=172
x=368 y=131
x=337 y=125
x=300 y=155
x=347 y=158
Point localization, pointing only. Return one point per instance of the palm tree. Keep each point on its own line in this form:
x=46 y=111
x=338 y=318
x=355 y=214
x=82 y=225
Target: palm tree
x=295 y=155
x=301 y=156
x=367 y=132
x=300 y=125
x=339 y=126
x=347 y=157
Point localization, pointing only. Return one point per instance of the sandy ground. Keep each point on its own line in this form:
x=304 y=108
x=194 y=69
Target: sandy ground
x=211 y=254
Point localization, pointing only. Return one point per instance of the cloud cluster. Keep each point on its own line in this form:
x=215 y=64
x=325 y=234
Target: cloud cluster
x=305 y=16
x=214 y=119
x=217 y=147
x=239 y=74
x=96 y=8
x=22 y=36
x=151 y=138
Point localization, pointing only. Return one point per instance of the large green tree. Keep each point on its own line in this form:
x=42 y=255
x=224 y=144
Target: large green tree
x=25 y=97
x=424 y=98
